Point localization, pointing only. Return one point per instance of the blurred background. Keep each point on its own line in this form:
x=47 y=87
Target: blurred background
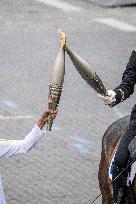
x=114 y=3
x=63 y=168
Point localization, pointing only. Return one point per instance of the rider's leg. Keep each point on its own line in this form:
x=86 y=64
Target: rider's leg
x=121 y=159
x=120 y=162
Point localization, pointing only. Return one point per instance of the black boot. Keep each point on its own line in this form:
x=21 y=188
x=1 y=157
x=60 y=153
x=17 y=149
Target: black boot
x=120 y=197
x=119 y=185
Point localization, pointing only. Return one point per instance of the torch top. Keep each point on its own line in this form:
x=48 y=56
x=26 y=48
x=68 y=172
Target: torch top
x=62 y=38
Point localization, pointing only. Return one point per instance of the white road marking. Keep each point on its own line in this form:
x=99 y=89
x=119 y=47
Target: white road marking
x=8 y=103
x=16 y=117
x=61 y=5
x=120 y=25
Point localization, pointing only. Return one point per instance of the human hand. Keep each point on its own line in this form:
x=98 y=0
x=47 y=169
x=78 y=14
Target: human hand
x=109 y=99
x=44 y=117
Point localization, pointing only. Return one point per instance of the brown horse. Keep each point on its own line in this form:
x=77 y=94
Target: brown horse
x=110 y=141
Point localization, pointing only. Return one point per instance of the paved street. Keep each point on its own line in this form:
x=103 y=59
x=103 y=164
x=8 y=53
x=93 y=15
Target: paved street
x=63 y=168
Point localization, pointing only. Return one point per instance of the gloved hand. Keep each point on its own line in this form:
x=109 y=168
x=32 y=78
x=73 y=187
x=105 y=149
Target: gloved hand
x=110 y=99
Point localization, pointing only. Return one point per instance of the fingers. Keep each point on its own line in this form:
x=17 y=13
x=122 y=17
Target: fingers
x=45 y=117
x=111 y=93
x=107 y=99
x=53 y=113
x=50 y=112
x=104 y=98
x=45 y=114
x=110 y=99
x=101 y=96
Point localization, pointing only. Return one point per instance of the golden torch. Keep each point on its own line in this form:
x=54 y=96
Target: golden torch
x=84 y=69
x=56 y=84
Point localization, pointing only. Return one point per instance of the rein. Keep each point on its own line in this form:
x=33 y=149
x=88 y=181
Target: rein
x=109 y=184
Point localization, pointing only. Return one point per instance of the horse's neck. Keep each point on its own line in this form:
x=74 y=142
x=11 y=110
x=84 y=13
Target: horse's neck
x=114 y=149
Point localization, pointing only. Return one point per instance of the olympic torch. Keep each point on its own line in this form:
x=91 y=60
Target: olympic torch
x=56 y=84
x=85 y=70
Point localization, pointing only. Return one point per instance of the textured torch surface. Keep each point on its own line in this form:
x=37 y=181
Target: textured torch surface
x=56 y=84
x=63 y=168
x=87 y=73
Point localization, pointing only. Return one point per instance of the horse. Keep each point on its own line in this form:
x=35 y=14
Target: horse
x=110 y=142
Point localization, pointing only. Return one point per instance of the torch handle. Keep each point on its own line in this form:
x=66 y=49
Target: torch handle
x=49 y=123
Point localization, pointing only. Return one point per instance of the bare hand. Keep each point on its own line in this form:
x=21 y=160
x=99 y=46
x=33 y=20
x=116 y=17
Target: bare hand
x=44 y=117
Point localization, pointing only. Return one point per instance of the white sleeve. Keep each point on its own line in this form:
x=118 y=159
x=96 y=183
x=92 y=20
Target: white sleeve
x=10 y=148
x=2 y=196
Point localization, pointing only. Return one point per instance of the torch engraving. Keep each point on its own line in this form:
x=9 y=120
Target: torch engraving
x=56 y=84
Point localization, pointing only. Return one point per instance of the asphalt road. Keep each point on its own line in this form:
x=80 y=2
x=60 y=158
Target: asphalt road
x=63 y=168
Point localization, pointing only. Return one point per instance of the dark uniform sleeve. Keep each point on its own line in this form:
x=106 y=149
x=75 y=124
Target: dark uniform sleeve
x=126 y=88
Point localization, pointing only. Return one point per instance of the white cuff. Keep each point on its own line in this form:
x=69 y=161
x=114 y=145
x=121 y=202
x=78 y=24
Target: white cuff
x=38 y=130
